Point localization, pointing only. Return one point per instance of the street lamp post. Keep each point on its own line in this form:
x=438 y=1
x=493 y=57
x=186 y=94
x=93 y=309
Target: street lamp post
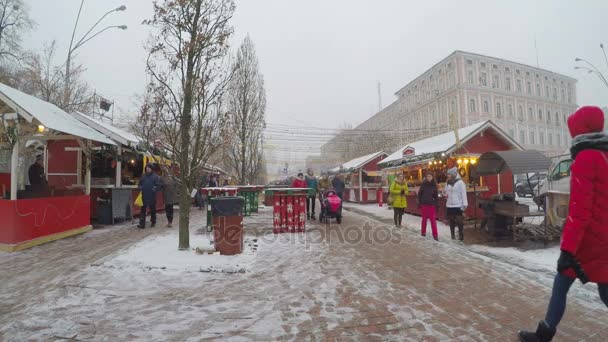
x=592 y=69
x=85 y=38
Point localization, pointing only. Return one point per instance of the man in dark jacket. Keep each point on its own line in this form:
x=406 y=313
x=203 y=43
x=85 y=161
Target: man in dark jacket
x=36 y=175
x=149 y=184
x=338 y=185
x=169 y=196
x=584 y=245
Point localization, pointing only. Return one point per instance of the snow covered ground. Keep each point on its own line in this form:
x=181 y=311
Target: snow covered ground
x=160 y=253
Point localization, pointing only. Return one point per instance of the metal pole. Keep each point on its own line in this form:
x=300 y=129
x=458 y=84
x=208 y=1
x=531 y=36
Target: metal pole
x=14 y=164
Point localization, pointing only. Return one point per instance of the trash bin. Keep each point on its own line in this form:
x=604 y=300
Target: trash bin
x=228 y=224
x=215 y=192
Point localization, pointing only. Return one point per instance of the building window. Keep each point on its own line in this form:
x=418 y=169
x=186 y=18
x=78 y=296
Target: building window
x=530 y=114
x=563 y=95
x=495 y=81
x=557 y=118
x=541 y=138
x=486 y=107
x=529 y=87
x=550 y=139
x=469 y=62
x=520 y=113
x=547 y=91
x=569 y=95
x=518 y=85
x=470 y=77
x=508 y=84
x=483 y=79
x=538 y=89
x=483 y=65
x=498 y=110
x=512 y=133
x=548 y=116
x=510 y=110
x=558 y=140
x=522 y=137
x=472 y=106
x=555 y=93
x=565 y=119
x=532 y=138
x=540 y=115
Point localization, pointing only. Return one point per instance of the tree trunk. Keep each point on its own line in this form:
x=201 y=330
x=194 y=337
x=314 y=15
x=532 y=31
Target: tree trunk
x=185 y=202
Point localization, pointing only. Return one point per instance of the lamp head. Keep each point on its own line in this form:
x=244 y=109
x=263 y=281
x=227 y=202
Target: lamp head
x=121 y=8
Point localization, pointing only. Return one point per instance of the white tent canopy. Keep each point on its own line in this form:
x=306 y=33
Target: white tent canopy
x=358 y=162
x=117 y=134
x=48 y=115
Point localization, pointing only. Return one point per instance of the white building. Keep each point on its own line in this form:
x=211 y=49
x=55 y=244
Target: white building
x=528 y=103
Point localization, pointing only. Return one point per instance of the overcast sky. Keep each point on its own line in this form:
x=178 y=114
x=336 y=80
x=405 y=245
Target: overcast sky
x=322 y=59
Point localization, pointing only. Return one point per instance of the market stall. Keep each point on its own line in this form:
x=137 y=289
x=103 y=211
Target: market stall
x=362 y=178
x=460 y=148
x=34 y=210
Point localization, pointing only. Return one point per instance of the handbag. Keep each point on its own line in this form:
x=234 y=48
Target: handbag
x=139 y=201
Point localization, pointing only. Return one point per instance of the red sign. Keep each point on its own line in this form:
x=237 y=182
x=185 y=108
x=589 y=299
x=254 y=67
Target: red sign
x=409 y=151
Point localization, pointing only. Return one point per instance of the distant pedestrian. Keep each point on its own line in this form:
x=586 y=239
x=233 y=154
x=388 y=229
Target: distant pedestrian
x=299 y=182
x=339 y=186
x=457 y=202
x=212 y=182
x=399 y=190
x=311 y=198
x=169 y=196
x=149 y=184
x=584 y=246
x=427 y=202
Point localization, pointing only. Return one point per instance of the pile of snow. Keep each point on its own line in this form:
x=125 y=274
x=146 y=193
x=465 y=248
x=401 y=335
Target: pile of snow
x=160 y=253
x=533 y=259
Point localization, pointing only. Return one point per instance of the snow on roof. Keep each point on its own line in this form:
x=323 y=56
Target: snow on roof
x=436 y=144
x=117 y=134
x=358 y=162
x=49 y=115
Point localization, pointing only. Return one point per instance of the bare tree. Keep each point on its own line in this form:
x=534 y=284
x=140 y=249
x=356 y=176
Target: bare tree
x=247 y=110
x=14 y=21
x=189 y=76
x=40 y=77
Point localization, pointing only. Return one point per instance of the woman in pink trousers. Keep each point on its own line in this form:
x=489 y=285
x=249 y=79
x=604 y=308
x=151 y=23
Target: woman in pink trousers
x=427 y=202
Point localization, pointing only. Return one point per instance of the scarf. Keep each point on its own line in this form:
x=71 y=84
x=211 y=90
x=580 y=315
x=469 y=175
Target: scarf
x=590 y=141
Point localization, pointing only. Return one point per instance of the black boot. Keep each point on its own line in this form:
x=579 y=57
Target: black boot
x=543 y=334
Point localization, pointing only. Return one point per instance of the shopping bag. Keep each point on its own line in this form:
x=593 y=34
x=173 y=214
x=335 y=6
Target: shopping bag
x=139 y=201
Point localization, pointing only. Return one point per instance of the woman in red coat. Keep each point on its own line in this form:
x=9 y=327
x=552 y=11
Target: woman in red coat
x=299 y=182
x=584 y=246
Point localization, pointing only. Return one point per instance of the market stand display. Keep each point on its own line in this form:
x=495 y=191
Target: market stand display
x=362 y=177
x=289 y=209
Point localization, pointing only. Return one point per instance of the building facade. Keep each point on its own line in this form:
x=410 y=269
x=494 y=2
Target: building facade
x=528 y=103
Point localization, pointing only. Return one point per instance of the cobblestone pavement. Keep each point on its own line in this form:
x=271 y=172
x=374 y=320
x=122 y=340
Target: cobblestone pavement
x=342 y=282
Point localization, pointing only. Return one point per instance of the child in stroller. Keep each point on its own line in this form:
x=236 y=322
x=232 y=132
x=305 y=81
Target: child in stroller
x=331 y=207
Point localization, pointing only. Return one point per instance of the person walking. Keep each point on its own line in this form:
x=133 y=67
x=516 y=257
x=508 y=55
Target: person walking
x=169 y=186
x=149 y=184
x=338 y=185
x=399 y=190
x=311 y=198
x=456 y=192
x=427 y=202
x=212 y=182
x=584 y=244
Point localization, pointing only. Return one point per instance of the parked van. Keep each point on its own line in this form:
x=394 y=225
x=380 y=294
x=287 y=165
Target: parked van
x=557 y=180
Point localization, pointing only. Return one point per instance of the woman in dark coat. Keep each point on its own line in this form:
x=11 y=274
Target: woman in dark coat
x=584 y=246
x=427 y=202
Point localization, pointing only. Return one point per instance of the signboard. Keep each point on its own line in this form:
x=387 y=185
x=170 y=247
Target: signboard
x=409 y=152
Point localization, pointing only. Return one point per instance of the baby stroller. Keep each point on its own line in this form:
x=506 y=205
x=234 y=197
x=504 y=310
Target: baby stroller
x=331 y=207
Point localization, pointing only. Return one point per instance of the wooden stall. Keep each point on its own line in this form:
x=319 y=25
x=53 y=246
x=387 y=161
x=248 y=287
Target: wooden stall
x=35 y=209
x=362 y=177
x=460 y=148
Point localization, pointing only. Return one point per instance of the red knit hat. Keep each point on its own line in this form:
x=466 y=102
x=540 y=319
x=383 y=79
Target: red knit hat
x=587 y=119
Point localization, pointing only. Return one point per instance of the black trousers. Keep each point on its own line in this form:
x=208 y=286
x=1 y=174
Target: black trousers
x=398 y=215
x=310 y=203
x=169 y=212
x=456 y=219
x=340 y=194
x=144 y=210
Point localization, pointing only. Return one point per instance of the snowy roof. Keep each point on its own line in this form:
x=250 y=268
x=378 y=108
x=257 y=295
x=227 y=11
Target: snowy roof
x=444 y=142
x=49 y=115
x=358 y=162
x=117 y=134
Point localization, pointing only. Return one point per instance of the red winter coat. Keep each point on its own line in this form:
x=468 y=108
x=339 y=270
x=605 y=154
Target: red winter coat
x=585 y=233
x=298 y=183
